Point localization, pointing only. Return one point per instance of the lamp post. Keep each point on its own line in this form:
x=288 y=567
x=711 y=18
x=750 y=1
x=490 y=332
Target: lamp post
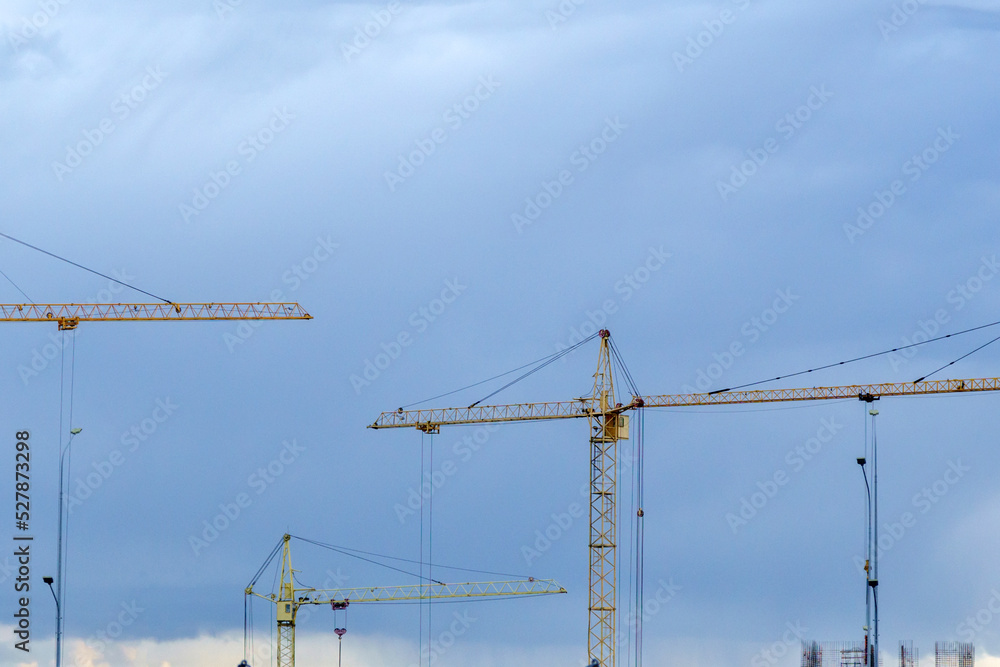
x=868 y=559
x=60 y=571
x=871 y=557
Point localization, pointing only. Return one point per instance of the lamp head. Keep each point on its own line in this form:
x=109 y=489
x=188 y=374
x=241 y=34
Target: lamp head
x=861 y=460
x=75 y=431
x=48 y=580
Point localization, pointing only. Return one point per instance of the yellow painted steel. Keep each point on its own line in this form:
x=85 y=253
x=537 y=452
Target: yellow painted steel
x=580 y=408
x=857 y=391
x=603 y=525
x=69 y=315
x=289 y=599
x=608 y=425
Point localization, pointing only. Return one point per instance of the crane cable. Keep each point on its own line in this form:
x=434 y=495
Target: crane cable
x=635 y=526
x=81 y=266
x=547 y=360
x=351 y=553
x=868 y=356
x=17 y=287
x=557 y=356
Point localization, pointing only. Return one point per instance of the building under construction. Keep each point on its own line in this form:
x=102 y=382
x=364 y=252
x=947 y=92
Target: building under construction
x=833 y=654
x=852 y=654
x=954 y=654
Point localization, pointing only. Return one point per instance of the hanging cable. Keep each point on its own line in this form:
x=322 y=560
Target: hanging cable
x=430 y=542
x=636 y=537
x=851 y=361
x=16 y=287
x=640 y=533
x=81 y=266
x=420 y=607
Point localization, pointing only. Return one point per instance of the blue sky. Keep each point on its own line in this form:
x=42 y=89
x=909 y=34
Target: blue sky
x=484 y=181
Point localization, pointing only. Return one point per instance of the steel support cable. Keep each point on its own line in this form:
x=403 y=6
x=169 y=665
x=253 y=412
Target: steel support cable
x=350 y=552
x=430 y=542
x=641 y=535
x=16 y=287
x=274 y=552
x=958 y=360
x=369 y=560
x=81 y=266
x=637 y=541
x=624 y=368
x=861 y=358
x=497 y=377
x=552 y=358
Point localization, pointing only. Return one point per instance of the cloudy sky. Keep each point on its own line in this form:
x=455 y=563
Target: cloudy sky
x=453 y=190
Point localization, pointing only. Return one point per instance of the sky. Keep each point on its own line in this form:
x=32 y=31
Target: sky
x=737 y=190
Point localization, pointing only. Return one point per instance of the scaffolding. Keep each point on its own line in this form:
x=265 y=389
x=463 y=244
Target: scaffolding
x=908 y=656
x=954 y=654
x=833 y=654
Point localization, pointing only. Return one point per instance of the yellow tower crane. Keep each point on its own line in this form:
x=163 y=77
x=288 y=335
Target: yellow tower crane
x=69 y=315
x=609 y=424
x=289 y=598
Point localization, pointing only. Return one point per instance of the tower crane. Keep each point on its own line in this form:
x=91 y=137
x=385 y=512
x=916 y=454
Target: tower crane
x=289 y=598
x=69 y=315
x=609 y=423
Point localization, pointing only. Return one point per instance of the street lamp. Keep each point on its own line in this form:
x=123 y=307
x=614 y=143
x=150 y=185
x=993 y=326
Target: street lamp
x=60 y=570
x=871 y=557
x=868 y=559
